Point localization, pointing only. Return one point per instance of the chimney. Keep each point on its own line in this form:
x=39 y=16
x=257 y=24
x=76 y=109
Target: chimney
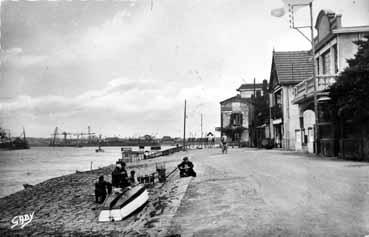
x=338 y=21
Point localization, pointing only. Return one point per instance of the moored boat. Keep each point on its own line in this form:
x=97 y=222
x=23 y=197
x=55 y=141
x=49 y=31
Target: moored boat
x=119 y=205
x=6 y=142
x=99 y=149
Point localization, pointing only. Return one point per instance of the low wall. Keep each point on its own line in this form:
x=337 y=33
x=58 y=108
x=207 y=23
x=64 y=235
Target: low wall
x=164 y=152
x=135 y=156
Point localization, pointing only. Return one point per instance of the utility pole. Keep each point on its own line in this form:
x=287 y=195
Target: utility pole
x=254 y=114
x=89 y=133
x=316 y=111
x=201 y=130
x=221 y=122
x=201 y=126
x=184 y=127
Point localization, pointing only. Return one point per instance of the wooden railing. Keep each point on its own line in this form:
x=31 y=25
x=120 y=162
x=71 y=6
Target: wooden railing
x=306 y=87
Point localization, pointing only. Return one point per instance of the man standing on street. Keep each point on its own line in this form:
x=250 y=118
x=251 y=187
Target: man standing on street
x=224 y=144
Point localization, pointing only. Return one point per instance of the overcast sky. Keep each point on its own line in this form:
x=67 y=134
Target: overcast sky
x=125 y=67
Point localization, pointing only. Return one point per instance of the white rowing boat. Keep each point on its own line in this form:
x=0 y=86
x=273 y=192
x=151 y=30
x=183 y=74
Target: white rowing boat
x=118 y=206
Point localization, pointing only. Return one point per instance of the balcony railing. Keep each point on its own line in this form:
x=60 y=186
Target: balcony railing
x=276 y=111
x=306 y=87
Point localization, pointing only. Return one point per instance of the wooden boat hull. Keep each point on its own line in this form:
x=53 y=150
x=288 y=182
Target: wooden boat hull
x=118 y=206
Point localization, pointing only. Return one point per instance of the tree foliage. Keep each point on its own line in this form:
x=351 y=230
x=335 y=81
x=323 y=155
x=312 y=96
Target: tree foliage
x=262 y=106
x=350 y=93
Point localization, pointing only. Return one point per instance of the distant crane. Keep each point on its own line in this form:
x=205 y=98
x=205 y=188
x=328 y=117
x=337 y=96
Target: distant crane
x=81 y=134
x=65 y=134
x=54 y=136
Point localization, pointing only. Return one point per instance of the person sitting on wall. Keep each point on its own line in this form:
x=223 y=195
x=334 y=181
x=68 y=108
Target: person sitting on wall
x=186 y=168
x=102 y=187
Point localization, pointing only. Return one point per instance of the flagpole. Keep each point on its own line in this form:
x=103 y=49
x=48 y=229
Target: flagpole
x=316 y=134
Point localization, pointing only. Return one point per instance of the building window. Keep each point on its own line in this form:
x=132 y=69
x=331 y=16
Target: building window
x=325 y=63
x=335 y=58
x=317 y=66
x=278 y=98
x=236 y=119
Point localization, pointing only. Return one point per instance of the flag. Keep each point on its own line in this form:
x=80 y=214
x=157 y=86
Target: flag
x=279 y=12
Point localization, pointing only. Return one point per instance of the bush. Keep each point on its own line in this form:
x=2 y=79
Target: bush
x=350 y=93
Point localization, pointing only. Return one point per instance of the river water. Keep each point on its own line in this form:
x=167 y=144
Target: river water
x=38 y=164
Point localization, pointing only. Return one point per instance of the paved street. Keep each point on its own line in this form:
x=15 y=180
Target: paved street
x=250 y=192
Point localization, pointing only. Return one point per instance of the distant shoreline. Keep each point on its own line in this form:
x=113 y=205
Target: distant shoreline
x=102 y=145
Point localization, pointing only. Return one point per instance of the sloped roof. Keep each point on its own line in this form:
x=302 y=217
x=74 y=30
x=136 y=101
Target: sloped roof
x=236 y=98
x=293 y=66
x=249 y=86
x=325 y=12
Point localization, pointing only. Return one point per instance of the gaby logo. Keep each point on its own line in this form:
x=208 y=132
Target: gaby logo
x=22 y=220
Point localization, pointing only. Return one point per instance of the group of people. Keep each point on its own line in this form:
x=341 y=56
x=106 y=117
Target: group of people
x=119 y=179
x=119 y=176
